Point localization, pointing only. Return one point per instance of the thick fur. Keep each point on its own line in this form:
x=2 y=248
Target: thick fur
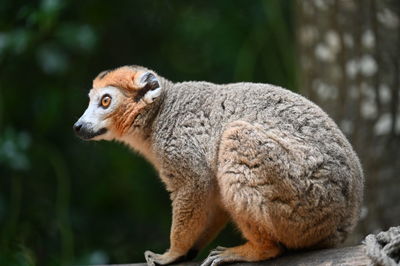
x=260 y=155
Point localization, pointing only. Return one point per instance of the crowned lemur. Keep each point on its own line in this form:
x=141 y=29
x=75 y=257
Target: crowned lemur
x=264 y=157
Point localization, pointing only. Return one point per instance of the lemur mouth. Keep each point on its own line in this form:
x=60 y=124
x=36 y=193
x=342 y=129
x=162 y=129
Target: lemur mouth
x=91 y=134
x=99 y=132
x=87 y=134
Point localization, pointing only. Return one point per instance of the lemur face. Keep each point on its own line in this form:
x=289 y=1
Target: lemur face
x=116 y=100
x=96 y=122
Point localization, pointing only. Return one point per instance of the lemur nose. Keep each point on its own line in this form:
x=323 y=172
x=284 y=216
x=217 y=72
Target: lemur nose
x=77 y=127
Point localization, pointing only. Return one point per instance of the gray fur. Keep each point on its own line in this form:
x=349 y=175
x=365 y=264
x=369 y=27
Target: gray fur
x=193 y=115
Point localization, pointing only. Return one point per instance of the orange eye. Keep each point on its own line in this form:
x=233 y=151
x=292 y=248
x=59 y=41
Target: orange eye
x=105 y=101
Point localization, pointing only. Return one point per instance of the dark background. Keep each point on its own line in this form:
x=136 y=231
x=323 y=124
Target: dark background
x=63 y=200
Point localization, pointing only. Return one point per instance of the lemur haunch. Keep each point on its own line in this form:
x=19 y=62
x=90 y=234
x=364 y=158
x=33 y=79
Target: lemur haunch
x=264 y=157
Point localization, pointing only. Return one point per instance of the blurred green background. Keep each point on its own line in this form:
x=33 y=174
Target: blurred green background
x=65 y=201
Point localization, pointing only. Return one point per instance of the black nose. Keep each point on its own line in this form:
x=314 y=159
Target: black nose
x=77 y=127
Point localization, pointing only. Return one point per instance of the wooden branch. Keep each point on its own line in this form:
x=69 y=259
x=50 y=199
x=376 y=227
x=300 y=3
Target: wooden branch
x=338 y=256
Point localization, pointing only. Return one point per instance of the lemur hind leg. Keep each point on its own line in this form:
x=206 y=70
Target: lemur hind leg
x=242 y=194
x=257 y=248
x=257 y=167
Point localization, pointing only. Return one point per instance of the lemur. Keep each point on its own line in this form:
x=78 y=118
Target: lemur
x=259 y=155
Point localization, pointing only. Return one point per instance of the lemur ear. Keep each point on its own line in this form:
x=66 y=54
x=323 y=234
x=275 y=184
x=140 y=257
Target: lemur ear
x=150 y=87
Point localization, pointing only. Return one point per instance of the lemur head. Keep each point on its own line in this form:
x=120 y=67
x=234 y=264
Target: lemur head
x=117 y=99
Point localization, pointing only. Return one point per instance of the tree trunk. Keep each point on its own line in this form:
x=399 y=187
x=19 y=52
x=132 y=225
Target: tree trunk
x=350 y=66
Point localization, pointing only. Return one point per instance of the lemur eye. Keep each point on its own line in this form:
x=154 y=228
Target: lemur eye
x=105 y=101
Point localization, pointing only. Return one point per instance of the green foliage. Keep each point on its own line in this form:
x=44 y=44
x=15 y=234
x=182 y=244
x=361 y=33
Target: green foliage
x=66 y=201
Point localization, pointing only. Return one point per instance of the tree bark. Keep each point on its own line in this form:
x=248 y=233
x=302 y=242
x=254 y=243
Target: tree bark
x=339 y=256
x=349 y=62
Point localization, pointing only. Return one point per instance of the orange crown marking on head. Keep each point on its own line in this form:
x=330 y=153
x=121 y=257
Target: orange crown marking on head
x=123 y=77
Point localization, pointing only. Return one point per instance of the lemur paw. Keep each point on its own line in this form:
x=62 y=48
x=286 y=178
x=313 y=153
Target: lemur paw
x=219 y=256
x=153 y=259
